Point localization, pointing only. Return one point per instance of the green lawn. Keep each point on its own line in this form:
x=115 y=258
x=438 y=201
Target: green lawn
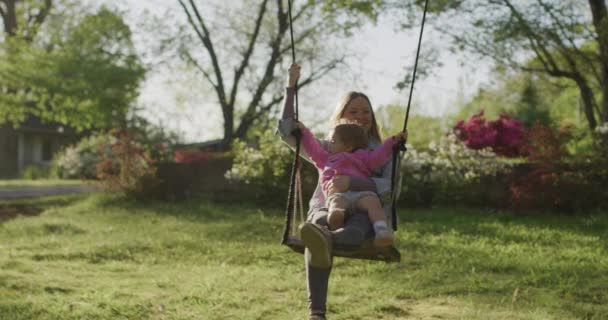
x=14 y=183
x=103 y=257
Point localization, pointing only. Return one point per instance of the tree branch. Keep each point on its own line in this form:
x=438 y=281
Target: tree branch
x=203 y=35
x=573 y=48
x=2 y=11
x=247 y=55
x=201 y=69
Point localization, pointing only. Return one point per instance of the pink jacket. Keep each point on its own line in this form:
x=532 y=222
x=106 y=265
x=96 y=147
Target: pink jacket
x=358 y=163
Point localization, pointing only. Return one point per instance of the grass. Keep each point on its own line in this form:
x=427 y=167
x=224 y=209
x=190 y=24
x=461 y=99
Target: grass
x=16 y=183
x=104 y=257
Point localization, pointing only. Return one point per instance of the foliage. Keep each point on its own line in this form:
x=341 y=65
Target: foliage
x=263 y=165
x=530 y=110
x=505 y=136
x=80 y=160
x=556 y=181
x=126 y=165
x=95 y=61
x=450 y=172
x=601 y=137
x=36 y=172
x=423 y=129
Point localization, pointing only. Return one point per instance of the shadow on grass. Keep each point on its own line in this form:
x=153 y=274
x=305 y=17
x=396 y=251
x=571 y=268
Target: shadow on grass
x=10 y=209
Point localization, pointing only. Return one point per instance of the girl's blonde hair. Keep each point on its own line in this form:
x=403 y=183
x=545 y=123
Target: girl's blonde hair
x=351 y=134
x=374 y=132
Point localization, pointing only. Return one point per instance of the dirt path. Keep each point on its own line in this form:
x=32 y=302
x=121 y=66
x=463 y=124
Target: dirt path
x=34 y=192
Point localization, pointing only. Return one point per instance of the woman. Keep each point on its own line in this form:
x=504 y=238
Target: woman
x=318 y=240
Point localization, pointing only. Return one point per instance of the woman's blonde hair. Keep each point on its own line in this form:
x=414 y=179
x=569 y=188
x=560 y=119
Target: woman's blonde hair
x=374 y=132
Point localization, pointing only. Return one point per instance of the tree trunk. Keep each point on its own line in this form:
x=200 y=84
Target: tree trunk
x=228 y=113
x=10 y=18
x=600 y=22
x=588 y=101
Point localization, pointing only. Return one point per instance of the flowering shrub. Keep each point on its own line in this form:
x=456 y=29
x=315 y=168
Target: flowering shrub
x=79 y=161
x=556 y=181
x=504 y=135
x=263 y=164
x=266 y=166
x=450 y=171
x=126 y=164
x=601 y=136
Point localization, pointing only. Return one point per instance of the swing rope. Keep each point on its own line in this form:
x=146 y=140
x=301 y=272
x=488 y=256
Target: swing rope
x=295 y=181
x=401 y=146
x=295 y=186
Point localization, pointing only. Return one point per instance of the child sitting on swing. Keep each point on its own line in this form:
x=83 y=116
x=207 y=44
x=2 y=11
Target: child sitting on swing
x=348 y=155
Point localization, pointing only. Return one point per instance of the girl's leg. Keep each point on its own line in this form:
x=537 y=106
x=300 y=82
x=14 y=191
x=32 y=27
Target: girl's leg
x=337 y=212
x=384 y=235
x=372 y=205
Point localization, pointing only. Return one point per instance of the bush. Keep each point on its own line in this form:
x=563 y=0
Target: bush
x=34 y=172
x=505 y=136
x=126 y=165
x=558 y=182
x=79 y=161
x=266 y=166
x=450 y=172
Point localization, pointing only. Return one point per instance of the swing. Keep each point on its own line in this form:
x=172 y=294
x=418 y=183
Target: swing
x=366 y=250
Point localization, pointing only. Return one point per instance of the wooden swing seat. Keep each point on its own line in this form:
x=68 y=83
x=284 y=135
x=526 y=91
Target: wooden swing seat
x=367 y=251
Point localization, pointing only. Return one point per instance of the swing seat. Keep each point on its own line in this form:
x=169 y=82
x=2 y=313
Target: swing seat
x=367 y=251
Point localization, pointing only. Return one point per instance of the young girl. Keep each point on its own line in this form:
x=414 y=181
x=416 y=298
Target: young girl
x=347 y=154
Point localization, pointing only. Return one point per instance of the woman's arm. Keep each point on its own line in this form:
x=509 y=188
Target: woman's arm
x=287 y=123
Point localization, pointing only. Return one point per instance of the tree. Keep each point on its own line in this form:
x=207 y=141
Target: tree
x=244 y=50
x=27 y=24
x=81 y=72
x=555 y=39
x=565 y=39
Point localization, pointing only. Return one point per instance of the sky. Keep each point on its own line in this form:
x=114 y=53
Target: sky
x=383 y=55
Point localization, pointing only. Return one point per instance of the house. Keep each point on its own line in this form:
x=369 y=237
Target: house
x=32 y=143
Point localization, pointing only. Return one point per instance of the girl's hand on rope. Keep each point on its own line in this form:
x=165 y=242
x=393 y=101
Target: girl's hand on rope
x=294 y=75
x=338 y=184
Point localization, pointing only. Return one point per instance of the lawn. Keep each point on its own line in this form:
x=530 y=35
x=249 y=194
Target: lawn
x=104 y=257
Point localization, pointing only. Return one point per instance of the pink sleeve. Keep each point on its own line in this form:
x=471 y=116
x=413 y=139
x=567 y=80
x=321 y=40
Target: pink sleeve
x=314 y=149
x=379 y=156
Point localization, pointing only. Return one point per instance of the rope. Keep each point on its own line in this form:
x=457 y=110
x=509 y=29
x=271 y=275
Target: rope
x=294 y=184
x=400 y=147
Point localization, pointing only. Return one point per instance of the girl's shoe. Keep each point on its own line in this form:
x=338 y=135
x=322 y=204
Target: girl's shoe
x=384 y=237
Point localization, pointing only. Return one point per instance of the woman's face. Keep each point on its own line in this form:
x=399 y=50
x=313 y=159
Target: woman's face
x=360 y=111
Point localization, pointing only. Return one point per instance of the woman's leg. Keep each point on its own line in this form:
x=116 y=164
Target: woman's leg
x=317 y=279
x=356 y=229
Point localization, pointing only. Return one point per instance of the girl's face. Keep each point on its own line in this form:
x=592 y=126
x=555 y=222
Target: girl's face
x=360 y=111
x=336 y=145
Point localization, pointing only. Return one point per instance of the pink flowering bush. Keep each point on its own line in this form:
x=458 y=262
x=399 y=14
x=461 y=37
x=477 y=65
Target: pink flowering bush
x=505 y=136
